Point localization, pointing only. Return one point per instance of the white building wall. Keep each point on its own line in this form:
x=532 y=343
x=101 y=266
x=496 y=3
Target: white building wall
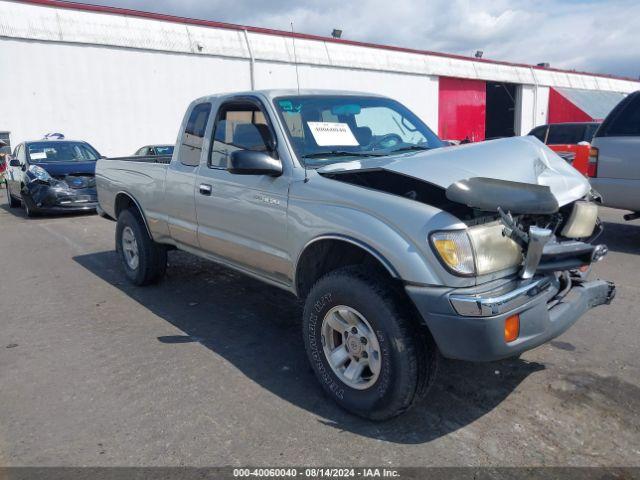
x=121 y=81
x=37 y=22
x=542 y=105
x=116 y=99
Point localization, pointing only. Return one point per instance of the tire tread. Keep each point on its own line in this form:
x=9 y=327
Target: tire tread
x=152 y=255
x=419 y=347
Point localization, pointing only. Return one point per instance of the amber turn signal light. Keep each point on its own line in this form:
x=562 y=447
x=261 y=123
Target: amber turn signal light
x=511 y=328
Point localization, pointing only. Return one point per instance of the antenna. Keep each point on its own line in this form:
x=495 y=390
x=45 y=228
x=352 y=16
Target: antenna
x=295 y=56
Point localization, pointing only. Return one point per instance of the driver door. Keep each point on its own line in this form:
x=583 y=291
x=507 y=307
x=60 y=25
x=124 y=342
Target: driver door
x=242 y=219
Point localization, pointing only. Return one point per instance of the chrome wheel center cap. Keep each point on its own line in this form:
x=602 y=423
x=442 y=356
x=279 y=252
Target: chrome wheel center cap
x=354 y=346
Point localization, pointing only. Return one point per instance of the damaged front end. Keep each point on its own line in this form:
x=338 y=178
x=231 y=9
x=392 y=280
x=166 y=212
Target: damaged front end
x=553 y=249
x=552 y=238
x=60 y=193
x=525 y=240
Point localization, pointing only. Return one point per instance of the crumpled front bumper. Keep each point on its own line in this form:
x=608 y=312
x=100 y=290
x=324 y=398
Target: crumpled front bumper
x=43 y=197
x=468 y=324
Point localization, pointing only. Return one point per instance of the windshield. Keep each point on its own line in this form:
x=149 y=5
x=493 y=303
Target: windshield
x=326 y=129
x=57 y=151
x=164 y=150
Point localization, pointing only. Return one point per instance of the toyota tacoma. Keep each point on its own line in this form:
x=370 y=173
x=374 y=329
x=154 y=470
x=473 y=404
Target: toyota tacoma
x=401 y=250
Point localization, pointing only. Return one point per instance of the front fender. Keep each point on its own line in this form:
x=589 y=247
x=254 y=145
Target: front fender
x=398 y=254
x=392 y=228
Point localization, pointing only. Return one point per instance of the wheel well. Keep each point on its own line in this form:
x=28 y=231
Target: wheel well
x=125 y=202
x=324 y=256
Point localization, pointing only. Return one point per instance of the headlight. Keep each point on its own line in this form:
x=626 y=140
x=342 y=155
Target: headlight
x=582 y=220
x=478 y=250
x=39 y=173
x=494 y=251
x=455 y=251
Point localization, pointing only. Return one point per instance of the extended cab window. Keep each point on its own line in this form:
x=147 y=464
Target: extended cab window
x=240 y=126
x=191 y=146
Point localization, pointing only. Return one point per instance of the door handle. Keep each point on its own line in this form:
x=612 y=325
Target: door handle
x=205 y=189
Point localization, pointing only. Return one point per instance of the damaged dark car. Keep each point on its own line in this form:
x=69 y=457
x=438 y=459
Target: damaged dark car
x=52 y=176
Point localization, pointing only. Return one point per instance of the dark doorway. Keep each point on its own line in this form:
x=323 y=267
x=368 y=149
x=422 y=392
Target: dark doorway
x=501 y=108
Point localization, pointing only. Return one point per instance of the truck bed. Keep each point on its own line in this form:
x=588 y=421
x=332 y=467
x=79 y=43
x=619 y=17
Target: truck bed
x=140 y=177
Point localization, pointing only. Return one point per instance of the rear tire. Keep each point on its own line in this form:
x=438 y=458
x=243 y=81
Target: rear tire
x=144 y=261
x=13 y=203
x=375 y=313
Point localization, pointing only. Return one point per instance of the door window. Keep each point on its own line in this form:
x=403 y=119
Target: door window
x=627 y=122
x=240 y=126
x=191 y=146
x=21 y=154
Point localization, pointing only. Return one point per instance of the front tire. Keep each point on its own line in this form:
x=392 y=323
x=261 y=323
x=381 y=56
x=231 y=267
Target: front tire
x=28 y=209
x=367 y=350
x=144 y=261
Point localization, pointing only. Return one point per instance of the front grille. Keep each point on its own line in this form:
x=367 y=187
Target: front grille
x=73 y=200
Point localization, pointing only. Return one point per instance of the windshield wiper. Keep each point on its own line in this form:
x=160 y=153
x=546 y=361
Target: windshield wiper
x=340 y=153
x=410 y=148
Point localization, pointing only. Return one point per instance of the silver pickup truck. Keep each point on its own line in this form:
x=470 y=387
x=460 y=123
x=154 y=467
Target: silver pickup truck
x=402 y=250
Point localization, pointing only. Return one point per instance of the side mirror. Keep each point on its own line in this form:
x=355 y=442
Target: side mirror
x=14 y=162
x=251 y=162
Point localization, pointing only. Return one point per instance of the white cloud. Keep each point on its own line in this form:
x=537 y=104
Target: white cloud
x=597 y=36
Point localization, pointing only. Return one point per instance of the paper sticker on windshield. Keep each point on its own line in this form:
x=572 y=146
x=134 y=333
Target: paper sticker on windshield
x=37 y=155
x=332 y=134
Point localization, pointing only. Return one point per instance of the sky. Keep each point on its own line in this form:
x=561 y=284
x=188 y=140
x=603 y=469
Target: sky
x=598 y=36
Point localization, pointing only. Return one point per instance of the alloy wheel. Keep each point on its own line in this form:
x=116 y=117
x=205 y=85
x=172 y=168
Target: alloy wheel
x=351 y=347
x=130 y=248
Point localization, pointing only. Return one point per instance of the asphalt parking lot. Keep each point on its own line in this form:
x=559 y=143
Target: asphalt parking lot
x=208 y=369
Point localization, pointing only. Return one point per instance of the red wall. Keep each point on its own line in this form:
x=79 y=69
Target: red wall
x=562 y=110
x=462 y=109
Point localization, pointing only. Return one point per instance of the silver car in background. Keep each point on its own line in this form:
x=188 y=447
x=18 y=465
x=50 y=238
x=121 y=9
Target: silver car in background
x=615 y=157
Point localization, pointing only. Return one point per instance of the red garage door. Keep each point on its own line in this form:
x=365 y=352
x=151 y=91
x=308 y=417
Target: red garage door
x=462 y=109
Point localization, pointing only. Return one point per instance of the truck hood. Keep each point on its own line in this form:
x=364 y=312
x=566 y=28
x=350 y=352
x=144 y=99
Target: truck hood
x=516 y=159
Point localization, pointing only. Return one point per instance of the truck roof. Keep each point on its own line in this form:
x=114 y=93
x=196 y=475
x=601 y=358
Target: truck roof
x=287 y=92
